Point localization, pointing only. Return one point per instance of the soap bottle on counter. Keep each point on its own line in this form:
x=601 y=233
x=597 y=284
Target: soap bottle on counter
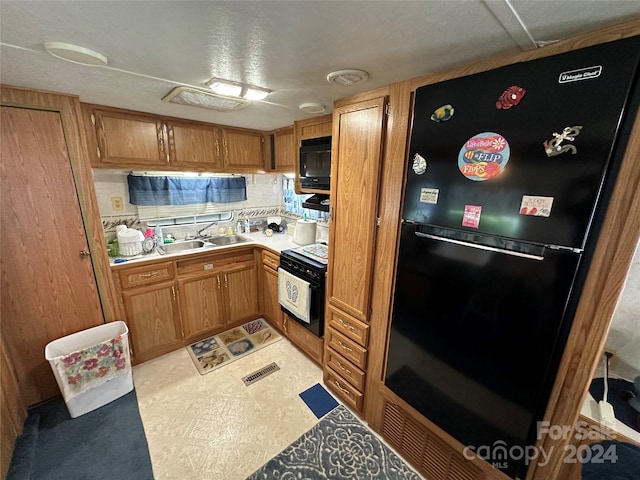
x=158 y=235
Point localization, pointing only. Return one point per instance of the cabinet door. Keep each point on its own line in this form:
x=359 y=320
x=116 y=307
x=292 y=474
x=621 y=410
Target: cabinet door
x=284 y=150
x=154 y=320
x=243 y=150
x=241 y=288
x=270 y=306
x=129 y=140
x=201 y=306
x=194 y=146
x=355 y=168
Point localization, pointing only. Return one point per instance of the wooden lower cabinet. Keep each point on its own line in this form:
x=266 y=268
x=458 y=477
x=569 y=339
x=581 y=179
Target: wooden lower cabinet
x=172 y=304
x=303 y=338
x=241 y=293
x=269 y=305
x=154 y=320
x=201 y=306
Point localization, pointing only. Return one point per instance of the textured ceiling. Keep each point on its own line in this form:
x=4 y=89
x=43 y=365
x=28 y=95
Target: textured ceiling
x=286 y=46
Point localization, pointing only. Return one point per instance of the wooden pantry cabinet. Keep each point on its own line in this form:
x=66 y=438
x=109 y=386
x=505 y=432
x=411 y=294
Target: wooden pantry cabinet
x=172 y=304
x=126 y=139
x=358 y=133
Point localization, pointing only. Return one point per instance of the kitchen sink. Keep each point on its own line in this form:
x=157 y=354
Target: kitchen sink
x=185 y=245
x=210 y=242
x=223 y=240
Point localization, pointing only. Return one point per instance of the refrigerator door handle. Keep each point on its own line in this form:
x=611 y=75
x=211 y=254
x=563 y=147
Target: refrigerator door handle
x=480 y=247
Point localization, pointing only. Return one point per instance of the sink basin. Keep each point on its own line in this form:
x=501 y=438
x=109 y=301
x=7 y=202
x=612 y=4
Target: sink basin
x=184 y=245
x=227 y=240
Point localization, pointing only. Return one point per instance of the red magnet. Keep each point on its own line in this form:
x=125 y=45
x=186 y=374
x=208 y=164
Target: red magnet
x=510 y=97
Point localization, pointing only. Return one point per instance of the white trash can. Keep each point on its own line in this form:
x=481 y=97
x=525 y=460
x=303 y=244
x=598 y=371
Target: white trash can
x=92 y=367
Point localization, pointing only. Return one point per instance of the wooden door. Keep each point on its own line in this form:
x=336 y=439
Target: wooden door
x=154 y=320
x=242 y=293
x=355 y=172
x=284 y=150
x=201 y=306
x=128 y=140
x=48 y=284
x=194 y=146
x=243 y=150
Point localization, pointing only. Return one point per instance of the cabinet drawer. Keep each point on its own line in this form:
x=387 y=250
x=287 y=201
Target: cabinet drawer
x=304 y=339
x=270 y=259
x=347 y=348
x=204 y=265
x=348 y=326
x=343 y=389
x=145 y=275
x=345 y=368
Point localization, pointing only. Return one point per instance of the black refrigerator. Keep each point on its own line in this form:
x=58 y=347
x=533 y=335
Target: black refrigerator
x=507 y=180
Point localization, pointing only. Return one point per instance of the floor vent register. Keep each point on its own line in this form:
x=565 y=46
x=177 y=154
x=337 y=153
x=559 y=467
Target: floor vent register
x=260 y=374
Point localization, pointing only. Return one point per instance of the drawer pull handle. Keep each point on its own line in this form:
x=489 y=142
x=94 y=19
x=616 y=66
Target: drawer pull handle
x=218 y=278
x=344 y=347
x=346 y=325
x=343 y=390
x=346 y=370
x=150 y=274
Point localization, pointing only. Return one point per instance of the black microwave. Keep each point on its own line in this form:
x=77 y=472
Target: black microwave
x=315 y=163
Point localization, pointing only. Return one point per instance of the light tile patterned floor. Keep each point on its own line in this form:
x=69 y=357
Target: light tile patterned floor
x=213 y=427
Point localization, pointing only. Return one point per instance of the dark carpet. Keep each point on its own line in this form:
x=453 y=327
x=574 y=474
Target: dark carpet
x=339 y=447
x=616 y=397
x=610 y=460
x=107 y=443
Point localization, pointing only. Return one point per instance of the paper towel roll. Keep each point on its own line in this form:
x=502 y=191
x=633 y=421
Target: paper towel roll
x=305 y=232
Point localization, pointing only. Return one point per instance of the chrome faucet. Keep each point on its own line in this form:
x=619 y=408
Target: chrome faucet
x=199 y=232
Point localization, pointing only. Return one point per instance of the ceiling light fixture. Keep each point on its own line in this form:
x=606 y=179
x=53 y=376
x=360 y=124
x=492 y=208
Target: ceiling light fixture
x=75 y=54
x=204 y=99
x=236 y=89
x=312 y=107
x=346 y=78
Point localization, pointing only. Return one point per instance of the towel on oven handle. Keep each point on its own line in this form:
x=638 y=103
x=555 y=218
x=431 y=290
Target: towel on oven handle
x=294 y=295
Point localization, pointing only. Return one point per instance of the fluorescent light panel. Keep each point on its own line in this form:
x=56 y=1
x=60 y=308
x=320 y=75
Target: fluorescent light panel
x=234 y=89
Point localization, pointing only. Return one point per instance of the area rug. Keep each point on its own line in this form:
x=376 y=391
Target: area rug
x=319 y=401
x=104 y=444
x=339 y=447
x=222 y=349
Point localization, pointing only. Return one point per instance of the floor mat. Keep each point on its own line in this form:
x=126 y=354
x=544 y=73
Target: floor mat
x=318 y=400
x=222 y=349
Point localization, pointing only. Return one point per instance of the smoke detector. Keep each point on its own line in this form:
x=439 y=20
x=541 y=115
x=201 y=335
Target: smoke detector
x=346 y=78
x=204 y=99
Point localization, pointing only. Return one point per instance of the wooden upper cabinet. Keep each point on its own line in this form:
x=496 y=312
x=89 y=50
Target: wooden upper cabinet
x=243 y=149
x=128 y=139
x=358 y=133
x=285 y=152
x=193 y=145
x=313 y=128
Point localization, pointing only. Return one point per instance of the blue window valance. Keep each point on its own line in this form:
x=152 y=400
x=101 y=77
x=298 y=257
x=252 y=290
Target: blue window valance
x=150 y=191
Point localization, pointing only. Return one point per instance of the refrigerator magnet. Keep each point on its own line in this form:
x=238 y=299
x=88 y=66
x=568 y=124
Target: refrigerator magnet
x=556 y=145
x=483 y=156
x=442 y=114
x=471 y=216
x=536 y=206
x=511 y=97
x=419 y=164
x=429 y=195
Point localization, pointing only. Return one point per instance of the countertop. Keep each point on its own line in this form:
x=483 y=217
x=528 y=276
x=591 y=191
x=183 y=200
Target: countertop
x=276 y=243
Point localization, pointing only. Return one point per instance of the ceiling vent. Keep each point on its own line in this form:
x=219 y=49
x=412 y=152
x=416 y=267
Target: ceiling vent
x=204 y=99
x=346 y=78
